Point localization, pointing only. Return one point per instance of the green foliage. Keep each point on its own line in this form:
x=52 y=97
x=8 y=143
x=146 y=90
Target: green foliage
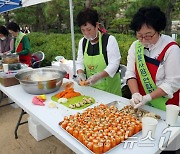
x=107 y=10
x=178 y=40
x=124 y=42
x=2 y=22
x=119 y=25
x=176 y=10
x=52 y=45
x=60 y=44
x=133 y=7
x=24 y=16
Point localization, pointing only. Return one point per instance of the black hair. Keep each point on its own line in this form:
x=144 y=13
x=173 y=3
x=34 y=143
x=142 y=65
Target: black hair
x=87 y=15
x=13 y=26
x=151 y=16
x=4 y=31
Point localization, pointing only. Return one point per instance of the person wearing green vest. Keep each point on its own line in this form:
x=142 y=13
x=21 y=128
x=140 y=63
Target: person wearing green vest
x=98 y=57
x=153 y=61
x=21 y=43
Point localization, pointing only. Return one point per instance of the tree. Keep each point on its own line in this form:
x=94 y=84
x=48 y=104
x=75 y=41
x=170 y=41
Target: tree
x=168 y=13
x=107 y=10
x=32 y=16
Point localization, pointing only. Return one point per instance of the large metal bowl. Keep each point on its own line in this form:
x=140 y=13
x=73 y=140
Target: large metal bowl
x=41 y=80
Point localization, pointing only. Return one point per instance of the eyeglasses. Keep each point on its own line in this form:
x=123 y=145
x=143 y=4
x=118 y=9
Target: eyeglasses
x=146 y=36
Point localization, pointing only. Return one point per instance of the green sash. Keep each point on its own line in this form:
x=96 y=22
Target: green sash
x=18 y=40
x=146 y=79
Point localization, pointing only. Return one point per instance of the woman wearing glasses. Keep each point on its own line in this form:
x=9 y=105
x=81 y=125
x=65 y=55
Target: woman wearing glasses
x=153 y=73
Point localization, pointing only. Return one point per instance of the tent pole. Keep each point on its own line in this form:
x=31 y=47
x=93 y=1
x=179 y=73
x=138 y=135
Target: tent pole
x=72 y=38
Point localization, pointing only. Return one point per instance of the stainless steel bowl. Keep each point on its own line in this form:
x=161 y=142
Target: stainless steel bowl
x=41 y=80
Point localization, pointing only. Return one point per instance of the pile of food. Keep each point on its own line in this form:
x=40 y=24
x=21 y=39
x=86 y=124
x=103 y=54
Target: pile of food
x=10 y=59
x=72 y=99
x=102 y=127
x=84 y=101
x=67 y=93
x=39 y=77
x=138 y=113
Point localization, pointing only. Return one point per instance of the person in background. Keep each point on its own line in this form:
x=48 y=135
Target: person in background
x=153 y=61
x=21 y=43
x=6 y=42
x=26 y=30
x=98 y=57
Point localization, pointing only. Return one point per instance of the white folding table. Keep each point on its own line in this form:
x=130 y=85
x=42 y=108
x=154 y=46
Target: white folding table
x=49 y=118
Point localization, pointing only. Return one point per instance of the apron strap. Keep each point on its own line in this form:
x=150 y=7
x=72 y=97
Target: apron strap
x=161 y=56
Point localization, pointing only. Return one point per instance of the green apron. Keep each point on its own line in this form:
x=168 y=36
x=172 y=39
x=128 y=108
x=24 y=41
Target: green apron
x=146 y=78
x=95 y=64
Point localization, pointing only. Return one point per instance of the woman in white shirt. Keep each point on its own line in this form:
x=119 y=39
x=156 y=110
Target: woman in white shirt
x=153 y=73
x=99 y=57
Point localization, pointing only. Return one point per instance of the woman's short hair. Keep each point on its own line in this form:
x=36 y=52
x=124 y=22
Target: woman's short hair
x=87 y=15
x=13 y=26
x=151 y=16
x=4 y=31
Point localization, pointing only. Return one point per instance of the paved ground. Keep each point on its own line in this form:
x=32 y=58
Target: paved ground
x=25 y=144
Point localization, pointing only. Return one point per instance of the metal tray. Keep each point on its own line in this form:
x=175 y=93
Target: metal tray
x=138 y=113
x=117 y=104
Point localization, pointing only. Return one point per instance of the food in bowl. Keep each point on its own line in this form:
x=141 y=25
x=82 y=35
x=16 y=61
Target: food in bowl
x=10 y=59
x=41 y=80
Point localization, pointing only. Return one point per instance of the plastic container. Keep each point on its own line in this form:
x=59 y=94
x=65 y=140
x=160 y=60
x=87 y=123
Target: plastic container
x=8 y=79
x=37 y=131
x=10 y=59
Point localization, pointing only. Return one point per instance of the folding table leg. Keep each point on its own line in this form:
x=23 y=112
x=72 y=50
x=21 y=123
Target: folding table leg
x=1 y=98
x=19 y=123
x=6 y=104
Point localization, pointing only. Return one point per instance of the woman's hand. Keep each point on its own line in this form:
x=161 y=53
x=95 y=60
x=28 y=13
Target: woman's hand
x=136 y=99
x=81 y=77
x=145 y=99
x=94 y=78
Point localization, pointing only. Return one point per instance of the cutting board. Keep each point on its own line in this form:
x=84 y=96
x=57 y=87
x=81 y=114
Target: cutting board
x=75 y=100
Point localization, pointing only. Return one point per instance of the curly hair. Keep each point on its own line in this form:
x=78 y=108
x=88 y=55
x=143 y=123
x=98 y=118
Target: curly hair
x=151 y=16
x=87 y=15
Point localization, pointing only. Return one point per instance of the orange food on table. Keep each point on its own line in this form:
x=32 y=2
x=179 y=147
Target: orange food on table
x=90 y=146
x=70 y=130
x=67 y=93
x=100 y=147
x=82 y=83
x=118 y=139
x=100 y=128
x=113 y=142
x=80 y=137
x=95 y=148
x=107 y=146
x=75 y=133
